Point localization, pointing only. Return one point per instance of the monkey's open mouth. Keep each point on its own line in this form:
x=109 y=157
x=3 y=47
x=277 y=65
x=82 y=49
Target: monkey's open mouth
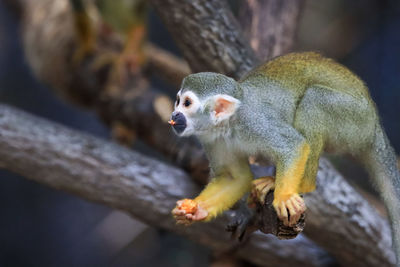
x=178 y=122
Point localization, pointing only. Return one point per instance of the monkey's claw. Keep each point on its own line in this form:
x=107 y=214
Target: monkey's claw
x=289 y=209
x=188 y=211
x=260 y=188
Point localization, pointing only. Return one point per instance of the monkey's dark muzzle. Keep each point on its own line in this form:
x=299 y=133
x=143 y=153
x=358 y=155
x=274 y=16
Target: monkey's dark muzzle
x=178 y=122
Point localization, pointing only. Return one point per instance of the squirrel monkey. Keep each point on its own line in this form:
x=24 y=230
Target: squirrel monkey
x=290 y=110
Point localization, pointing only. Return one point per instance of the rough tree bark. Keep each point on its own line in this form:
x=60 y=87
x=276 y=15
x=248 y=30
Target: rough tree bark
x=208 y=35
x=340 y=220
x=112 y=175
x=102 y=172
x=141 y=109
x=221 y=48
x=185 y=25
x=269 y=25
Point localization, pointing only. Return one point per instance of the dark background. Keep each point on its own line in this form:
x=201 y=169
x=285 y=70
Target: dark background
x=43 y=227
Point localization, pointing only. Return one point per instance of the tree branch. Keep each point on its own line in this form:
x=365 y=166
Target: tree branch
x=208 y=35
x=216 y=44
x=143 y=111
x=340 y=220
x=109 y=174
x=166 y=65
x=189 y=19
x=270 y=25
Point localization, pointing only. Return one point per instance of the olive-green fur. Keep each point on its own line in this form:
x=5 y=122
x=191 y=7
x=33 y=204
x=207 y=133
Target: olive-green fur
x=295 y=101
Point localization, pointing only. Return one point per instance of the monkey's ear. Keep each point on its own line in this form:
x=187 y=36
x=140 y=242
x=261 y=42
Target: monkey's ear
x=223 y=107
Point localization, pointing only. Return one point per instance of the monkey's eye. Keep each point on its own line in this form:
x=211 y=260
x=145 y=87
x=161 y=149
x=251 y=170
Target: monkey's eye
x=187 y=102
x=177 y=100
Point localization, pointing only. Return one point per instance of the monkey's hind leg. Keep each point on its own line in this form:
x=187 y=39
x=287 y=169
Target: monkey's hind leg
x=308 y=183
x=311 y=121
x=288 y=204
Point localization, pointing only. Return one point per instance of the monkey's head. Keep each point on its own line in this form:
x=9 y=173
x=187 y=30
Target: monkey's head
x=204 y=103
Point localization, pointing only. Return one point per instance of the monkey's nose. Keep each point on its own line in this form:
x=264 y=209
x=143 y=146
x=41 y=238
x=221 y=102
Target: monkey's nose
x=178 y=121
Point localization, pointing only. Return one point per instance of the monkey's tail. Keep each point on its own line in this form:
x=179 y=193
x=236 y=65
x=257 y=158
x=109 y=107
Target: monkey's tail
x=381 y=163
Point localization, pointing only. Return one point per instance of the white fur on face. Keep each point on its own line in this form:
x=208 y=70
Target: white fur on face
x=194 y=106
x=188 y=111
x=228 y=108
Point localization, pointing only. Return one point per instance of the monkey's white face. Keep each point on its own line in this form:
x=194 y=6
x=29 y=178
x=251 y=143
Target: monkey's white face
x=187 y=104
x=193 y=115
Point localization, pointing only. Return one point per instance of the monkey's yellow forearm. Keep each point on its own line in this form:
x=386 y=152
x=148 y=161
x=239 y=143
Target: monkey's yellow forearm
x=224 y=191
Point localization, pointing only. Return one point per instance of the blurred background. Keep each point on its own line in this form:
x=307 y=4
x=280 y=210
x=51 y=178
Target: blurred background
x=43 y=227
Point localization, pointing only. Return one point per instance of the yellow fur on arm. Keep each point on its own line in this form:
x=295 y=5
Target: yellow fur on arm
x=224 y=191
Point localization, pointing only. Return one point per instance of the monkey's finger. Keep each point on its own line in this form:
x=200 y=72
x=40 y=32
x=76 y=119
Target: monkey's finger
x=267 y=180
x=264 y=192
x=300 y=201
x=258 y=193
x=278 y=211
x=177 y=211
x=189 y=216
x=294 y=213
x=291 y=213
x=284 y=214
x=257 y=182
x=180 y=217
x=183 y=221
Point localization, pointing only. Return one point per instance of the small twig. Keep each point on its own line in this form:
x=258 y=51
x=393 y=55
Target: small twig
x=166 y=65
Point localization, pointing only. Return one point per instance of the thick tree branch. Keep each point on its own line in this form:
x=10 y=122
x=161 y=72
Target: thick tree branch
x=185 y=25
x=208 y=35
x=143 y=111
x=342 y=221
x=114 y=176
x=215 y=44
x=270 y=25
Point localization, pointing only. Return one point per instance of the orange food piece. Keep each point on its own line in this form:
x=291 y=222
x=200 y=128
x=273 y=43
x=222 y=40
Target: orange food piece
x=189 y=205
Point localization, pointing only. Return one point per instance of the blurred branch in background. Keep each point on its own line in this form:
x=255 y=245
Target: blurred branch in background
x=132 y=104
x=167 y=65
x=208 y=35
x=210 y=40
x=270 y=26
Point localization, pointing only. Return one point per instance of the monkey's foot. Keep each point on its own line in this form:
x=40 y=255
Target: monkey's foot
x=289 y=208
x=188 y=211
x=260 y=188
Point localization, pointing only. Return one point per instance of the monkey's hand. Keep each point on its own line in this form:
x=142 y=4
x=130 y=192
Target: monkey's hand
x=188 y=211
x=289 y=208
x=260 y=188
